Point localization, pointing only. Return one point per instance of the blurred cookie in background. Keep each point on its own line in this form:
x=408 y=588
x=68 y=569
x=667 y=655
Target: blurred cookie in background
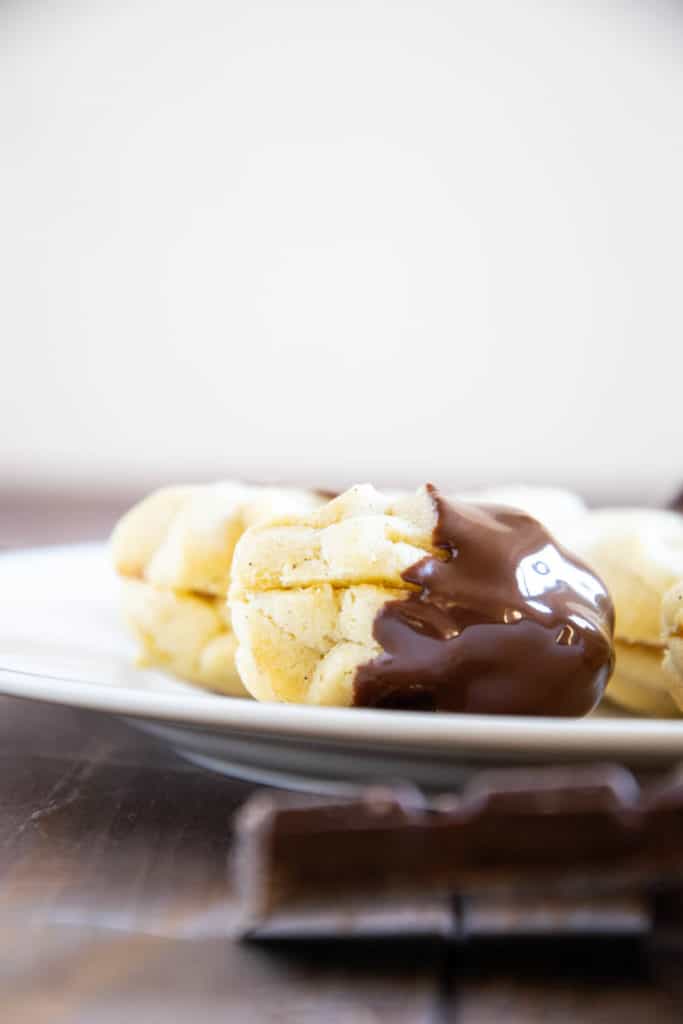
x=174 y=553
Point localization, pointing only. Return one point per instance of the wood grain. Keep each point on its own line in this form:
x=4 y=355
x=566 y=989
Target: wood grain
x=114 y=895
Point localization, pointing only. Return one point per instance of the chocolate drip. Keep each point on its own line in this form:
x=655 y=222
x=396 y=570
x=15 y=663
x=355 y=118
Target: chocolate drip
x=505 y=621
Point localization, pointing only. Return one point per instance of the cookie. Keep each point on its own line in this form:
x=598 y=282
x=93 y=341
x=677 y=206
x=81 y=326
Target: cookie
x=421 y=602
x=672 y=623
x=640 y=682
x=639 y=554
x=188 y=635
x=174 y=551
x=183 y=538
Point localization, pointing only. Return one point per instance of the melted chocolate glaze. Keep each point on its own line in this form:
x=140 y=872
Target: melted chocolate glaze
x=503 y=621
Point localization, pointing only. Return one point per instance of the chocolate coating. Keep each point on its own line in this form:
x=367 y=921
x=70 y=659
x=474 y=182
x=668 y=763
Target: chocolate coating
x=505 y=621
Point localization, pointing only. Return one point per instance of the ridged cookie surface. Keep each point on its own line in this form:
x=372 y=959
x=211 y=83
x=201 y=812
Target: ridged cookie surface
x=186 y=634
x=639 y=554
x=305 y=594
x=421 y=602
x=174 y=550
x=640 y=682
x=183 y=538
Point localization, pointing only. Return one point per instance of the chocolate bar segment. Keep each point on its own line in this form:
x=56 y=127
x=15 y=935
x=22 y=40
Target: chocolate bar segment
x=518 y=846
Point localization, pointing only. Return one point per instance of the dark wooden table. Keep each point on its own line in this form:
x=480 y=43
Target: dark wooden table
x=115 y=904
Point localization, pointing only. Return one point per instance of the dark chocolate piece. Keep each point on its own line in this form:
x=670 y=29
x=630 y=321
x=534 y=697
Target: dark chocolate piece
x=568 y=841
x=505 y=621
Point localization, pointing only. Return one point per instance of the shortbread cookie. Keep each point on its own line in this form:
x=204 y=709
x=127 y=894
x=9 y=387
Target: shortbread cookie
x=639 y=554
x=183 y=538
x=174 y=550
x=672 y=621
x=186 y=634
x=640 y=682
x=420 y=602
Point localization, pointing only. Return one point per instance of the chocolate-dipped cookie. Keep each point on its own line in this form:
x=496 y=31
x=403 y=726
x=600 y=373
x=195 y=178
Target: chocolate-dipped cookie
x=419 y=602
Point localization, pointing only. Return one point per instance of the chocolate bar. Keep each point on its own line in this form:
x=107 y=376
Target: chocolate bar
x=557 y=851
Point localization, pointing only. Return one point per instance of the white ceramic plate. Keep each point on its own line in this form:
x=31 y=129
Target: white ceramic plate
x=61 y=641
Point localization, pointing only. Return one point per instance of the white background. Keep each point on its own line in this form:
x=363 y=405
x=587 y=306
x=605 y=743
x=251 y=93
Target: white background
x=342 y=241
